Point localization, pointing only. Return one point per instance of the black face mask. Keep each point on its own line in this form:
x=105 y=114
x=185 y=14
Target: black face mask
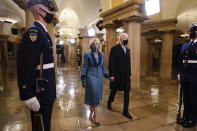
x=48 y=18
x=125 y=42
x=192 y=34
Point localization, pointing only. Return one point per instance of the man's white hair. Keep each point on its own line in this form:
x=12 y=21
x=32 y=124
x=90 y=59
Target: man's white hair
x=122 y=35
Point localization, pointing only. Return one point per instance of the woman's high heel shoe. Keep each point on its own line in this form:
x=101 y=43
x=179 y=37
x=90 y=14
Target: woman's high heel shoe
x=96 y=122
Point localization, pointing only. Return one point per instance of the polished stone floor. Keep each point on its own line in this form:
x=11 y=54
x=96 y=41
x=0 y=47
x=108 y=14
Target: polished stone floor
x=153 y=106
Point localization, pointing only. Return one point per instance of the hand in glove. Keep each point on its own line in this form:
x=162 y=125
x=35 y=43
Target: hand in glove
x=33 y=104
x=178 y=77
x=84 y=84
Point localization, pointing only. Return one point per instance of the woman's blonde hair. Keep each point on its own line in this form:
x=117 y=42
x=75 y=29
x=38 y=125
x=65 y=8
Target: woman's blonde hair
x=95 y=40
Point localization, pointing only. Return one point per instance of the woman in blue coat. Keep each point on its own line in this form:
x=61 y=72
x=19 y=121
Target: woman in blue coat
x=93 y=71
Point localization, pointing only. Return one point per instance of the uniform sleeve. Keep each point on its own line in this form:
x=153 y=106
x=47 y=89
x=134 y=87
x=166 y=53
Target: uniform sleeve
x=28 y=58
x=85 y=66
x=180 y=59
x=111 y=62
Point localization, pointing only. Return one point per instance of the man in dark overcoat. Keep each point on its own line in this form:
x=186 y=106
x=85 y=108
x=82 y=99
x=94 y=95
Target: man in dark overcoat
x=120 y=73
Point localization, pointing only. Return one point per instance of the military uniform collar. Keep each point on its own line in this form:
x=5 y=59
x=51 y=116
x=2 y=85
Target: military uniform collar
x=42 y=25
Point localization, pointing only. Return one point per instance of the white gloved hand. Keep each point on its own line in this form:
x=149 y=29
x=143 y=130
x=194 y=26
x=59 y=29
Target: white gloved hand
x=178 y=77
x=33 y=104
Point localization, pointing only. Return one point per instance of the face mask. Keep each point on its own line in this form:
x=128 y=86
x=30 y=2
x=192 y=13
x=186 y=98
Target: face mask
x=192 y=34
x=125 y=42
x=48 y=18
x=94 y=47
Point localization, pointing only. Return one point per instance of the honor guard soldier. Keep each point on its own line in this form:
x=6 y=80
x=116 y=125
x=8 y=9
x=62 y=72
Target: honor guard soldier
x=188 y=77
x=35 y=42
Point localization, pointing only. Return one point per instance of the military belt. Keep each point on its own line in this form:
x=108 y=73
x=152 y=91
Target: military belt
x=189 y=61
x=46 y=66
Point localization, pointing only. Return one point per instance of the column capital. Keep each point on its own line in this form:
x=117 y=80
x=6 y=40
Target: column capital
x=4 y=38
x=133 y=10
x=83 y=32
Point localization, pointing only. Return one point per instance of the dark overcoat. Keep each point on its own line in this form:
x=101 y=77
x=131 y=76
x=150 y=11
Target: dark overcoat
x=120 y=68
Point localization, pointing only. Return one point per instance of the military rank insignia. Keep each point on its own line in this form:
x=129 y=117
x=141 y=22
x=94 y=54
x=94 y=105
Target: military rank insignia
x=33 y=36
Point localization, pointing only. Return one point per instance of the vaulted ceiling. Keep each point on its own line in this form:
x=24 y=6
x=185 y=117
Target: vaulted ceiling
x=87 y=10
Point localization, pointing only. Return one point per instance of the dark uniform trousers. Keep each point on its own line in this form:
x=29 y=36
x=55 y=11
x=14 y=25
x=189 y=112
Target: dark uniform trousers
x=188 y=74
x=126 y=98
x=46 y=111
x=189 y=99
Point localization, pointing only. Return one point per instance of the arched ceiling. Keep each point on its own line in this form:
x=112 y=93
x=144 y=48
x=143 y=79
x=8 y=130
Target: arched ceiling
x=87 y=10
x=10 y=9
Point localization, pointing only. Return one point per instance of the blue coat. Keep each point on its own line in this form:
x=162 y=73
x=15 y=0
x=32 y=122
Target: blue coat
x=93 y=72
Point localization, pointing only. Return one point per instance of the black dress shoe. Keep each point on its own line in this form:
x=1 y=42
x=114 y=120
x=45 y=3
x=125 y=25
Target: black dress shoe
x=126 y=114
x=109 y=106
x=189 y=123
x=181 y=121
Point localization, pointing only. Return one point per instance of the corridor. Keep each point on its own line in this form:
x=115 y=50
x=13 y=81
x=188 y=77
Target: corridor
x=153 y=106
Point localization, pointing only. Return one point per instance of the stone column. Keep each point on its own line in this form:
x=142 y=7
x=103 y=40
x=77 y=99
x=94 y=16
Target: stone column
x=29 y=18
x=134 y=32
x=150 y=58
x=110 y=42
x=0 y=53
x=85 y=41
x=144 y=55
x=50 y=29
x=5 y=50
x=166 y=56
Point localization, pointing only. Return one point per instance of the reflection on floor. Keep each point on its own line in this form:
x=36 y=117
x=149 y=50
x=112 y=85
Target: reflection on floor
x=153 y=107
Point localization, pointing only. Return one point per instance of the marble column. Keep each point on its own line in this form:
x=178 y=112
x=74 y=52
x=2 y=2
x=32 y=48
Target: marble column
x=110 y=42
x=5 y=50
x=0 y=53
x=166 y=56
x=150 y=58
x=85 y=41
x=29 y=18
x=50 y=29
x=134 y=32
x=144 y=55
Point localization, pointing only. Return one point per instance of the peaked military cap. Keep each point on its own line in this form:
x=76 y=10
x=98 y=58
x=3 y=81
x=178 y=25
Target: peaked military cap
x=46 y=3
x=193 y=26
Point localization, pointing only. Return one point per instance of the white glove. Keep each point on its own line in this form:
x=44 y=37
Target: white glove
x=178 y=77
x=33 y=104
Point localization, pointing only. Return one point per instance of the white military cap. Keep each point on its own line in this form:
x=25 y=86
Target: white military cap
x=193 y=24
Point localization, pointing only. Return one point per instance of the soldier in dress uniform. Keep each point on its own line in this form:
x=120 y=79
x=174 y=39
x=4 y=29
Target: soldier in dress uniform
x=188 y=77
x=78 y=58
x=35 y=42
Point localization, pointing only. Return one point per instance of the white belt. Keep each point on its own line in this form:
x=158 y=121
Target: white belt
x=46 y=66
x=189 y=61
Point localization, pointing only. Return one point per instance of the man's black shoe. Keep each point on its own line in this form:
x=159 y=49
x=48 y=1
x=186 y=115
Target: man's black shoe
x=181 y=121
x=109 y=106
x=126 y=114
x=189 y=123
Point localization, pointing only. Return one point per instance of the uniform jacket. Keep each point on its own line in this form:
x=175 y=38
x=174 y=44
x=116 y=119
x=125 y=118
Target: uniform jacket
x=188 y=70
x=120 y=68
x=35 y=41
x=93 y=72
